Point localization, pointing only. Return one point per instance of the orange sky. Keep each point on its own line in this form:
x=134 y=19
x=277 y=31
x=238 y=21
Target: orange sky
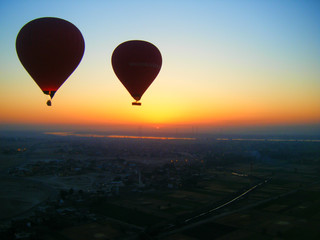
x=223 y=65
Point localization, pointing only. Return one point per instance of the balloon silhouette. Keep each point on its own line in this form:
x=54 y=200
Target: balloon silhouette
x=136 y=63
x=50 y=49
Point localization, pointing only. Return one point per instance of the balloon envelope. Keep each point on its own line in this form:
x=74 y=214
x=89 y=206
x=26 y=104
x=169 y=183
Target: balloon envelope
x=50 y=49
x=136 y=63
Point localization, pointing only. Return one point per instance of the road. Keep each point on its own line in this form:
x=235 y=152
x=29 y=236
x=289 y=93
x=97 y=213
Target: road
x=205 y=216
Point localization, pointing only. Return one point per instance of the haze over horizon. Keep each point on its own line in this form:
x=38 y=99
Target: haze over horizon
x=228 y=67
x=282 y=131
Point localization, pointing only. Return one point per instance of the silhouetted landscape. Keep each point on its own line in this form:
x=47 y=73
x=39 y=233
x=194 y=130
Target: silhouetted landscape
x=62 y=185
x=159 y=120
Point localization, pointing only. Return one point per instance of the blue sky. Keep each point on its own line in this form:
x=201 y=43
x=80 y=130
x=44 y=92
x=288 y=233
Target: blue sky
x=224 y=62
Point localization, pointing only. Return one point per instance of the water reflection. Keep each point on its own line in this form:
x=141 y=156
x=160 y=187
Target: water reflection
x=115 y=136
x=268 y=139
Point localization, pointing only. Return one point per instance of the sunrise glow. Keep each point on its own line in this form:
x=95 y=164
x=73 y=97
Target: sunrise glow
x=230 y=64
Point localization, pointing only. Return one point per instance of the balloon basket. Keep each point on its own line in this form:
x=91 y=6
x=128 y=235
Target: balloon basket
x=136 y=104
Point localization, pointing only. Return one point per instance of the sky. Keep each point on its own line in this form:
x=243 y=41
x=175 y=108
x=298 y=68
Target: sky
x=225 y=64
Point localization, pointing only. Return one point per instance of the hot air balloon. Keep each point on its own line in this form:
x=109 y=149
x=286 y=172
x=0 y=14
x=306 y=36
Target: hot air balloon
x=136 y=63
x=50 y=49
